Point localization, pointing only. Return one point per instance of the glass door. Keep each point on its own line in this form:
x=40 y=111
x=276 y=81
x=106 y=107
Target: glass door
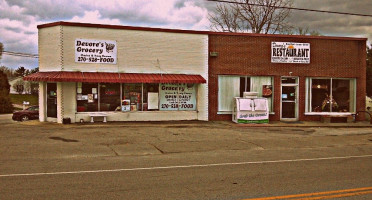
x=289 y=99
x=52 y=100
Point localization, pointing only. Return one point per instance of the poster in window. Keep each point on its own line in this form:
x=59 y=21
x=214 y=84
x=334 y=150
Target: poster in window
x=90 y=98
x=94 y=90
x=153 y=100
x=187 y=96
x=177 y=97
x=267 y=90
x=168 y=96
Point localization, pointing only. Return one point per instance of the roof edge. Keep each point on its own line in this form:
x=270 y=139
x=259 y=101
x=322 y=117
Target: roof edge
x=91 y=25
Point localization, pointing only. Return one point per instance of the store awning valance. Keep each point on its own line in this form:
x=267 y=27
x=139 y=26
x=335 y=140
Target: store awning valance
x=106 y=77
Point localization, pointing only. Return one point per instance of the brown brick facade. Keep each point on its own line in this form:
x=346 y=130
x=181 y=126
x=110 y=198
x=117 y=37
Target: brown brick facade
x=250 y=55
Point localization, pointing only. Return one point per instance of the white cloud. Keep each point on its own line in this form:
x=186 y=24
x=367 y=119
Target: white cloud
x=94 y=17
x=19 y=18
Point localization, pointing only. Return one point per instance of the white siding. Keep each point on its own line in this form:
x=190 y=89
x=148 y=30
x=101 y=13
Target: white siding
x=141 y=51
x=138 y=52
x=42 y=101
x=68 y=97
x=50 y=49
x=143 y=116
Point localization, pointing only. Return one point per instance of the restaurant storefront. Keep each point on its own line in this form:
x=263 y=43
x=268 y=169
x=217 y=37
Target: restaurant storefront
x=304 y=78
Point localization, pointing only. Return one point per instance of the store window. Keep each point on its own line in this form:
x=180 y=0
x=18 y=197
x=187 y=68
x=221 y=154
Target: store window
x=131 y=97
x=87 y=97
x=330 y=95
x=109 y=97
x=234 y=86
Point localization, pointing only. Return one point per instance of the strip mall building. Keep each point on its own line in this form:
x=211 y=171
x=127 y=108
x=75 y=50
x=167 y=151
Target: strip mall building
x=151 y=74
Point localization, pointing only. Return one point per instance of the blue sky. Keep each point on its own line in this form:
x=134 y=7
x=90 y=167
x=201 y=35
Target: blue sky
x=19 y=18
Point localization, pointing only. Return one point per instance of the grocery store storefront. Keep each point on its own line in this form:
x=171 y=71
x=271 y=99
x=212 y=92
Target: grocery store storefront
x=124 y=73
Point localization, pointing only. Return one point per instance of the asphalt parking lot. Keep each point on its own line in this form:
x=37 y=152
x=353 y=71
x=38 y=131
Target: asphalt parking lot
x=33 y=148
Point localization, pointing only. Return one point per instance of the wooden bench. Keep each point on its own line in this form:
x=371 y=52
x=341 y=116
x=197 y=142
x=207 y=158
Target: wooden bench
x=93 y=115
x=336 y=118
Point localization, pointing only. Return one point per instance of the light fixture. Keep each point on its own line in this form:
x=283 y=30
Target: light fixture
x=213 y=54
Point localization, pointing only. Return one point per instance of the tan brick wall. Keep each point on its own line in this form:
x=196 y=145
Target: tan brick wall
x=251 y=56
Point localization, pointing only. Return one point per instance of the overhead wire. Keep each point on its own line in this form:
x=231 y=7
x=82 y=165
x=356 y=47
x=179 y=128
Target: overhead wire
x=292 y=8
x=28 y=55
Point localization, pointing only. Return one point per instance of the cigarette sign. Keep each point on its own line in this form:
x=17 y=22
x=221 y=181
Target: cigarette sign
x=290 y=52
x=95 y=51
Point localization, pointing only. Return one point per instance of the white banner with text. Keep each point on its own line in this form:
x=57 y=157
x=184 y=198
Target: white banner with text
x=290 y=52
x=95 y=51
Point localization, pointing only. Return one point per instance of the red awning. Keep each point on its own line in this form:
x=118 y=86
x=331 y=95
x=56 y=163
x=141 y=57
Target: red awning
x=105 y=77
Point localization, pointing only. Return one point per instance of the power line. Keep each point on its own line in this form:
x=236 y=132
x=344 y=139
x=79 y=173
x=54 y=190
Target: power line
x=292 y=8
x=28 y=55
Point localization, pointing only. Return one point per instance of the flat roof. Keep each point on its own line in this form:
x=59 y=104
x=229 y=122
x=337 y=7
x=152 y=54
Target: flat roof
x=107 y=26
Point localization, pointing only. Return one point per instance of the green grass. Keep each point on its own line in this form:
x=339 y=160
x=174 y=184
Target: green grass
x=19 y=98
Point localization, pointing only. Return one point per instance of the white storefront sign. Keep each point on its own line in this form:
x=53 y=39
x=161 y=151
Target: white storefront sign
x=177 y=96
x=95 y=51
x=290 y=52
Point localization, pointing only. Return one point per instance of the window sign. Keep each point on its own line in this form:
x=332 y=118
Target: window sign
x=177 y=97
x=153 y=100
x=187 y=97
x=290 y=52
x=168 y=96
x=95 y=51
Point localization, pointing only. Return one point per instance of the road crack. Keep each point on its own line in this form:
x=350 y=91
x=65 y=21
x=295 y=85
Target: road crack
x=161 y=151
x=112 y=149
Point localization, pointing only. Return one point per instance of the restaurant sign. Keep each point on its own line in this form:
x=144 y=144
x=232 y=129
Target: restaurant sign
x=290 y=52
x=95 y=51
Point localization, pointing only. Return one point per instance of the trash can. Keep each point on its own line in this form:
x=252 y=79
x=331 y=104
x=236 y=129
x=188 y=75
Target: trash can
x=66 y=120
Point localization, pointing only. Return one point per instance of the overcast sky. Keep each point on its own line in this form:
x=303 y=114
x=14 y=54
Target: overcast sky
x=19 y=18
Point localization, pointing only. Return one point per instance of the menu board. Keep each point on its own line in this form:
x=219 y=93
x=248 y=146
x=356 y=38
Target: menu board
x=177 y=97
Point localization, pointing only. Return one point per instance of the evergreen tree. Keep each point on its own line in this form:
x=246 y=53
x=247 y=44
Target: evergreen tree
x=5 y=102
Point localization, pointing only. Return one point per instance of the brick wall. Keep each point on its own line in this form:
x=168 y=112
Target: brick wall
x=251 y=55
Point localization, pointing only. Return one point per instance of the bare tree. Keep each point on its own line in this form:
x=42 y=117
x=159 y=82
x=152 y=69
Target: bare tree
x=301 y=31
x=254 y=16
x=1 y=49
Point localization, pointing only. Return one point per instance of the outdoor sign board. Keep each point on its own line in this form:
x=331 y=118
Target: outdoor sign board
x=177 y=97
x=95 y=51
x=290 y=52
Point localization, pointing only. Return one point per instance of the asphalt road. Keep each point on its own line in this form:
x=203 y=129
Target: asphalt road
x=181 y=160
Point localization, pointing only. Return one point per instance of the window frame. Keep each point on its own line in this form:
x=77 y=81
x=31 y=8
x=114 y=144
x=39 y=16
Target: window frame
x=195 y=85
x=221 y=112
x=308 y=94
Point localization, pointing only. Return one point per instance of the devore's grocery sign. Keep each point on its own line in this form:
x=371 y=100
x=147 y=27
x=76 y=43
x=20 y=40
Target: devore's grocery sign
x=95 y=51
x=290 y=52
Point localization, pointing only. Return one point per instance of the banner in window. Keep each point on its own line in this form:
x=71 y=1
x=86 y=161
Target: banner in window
x=95 y=51
x=290 y=52
x=177 y=97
